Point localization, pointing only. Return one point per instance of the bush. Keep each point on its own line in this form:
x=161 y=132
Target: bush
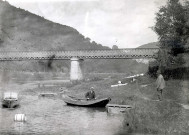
x=152 y=69
x=177 y=73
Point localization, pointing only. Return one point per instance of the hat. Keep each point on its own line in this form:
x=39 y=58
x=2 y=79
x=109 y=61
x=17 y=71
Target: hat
x=92 y=88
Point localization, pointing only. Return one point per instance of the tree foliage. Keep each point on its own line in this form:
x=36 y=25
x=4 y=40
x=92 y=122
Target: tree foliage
x=114 y=47
x=172 y=28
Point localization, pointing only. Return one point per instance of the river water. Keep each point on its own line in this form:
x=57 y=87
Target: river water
x=51 y=116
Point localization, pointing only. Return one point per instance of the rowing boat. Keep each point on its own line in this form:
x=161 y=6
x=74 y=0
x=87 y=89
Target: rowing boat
x=10 y=100
x=84 y=102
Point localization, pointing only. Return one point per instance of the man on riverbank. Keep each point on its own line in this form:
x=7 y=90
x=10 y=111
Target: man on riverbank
x=160 y=85
x=91 y=94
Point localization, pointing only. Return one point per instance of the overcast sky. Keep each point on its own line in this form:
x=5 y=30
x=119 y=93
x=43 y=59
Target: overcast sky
x=125 y=23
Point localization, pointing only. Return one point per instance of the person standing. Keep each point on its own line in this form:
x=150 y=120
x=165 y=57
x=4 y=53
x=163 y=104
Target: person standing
x=160 y=85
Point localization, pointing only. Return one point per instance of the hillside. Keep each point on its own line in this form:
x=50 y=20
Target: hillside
x=24 y=31
x=21 y=30
x=150 y=45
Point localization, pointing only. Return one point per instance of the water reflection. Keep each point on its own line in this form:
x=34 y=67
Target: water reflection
x=53 y=116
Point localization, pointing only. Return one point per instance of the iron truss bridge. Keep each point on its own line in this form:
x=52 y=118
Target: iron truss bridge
x=142 y=53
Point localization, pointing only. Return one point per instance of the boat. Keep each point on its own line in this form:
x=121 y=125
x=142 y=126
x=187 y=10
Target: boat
x=10 y=100
x=47 y=94
x=84 y=102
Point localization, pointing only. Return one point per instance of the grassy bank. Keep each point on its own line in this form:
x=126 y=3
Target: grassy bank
x=148 y=116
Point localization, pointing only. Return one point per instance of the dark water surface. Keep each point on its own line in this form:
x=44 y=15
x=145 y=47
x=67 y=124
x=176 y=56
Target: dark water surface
x=51 y=116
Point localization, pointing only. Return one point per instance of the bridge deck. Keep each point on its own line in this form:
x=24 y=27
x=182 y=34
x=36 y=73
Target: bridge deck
x=83 y=54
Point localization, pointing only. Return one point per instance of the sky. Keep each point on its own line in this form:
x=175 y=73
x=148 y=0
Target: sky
x=125 y=23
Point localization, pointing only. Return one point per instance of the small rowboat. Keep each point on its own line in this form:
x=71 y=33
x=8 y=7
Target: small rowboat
x=84 y=102
x=10 y=100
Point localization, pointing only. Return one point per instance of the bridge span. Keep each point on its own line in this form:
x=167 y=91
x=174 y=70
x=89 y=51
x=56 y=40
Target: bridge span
x=81 y=54
x=77 y=57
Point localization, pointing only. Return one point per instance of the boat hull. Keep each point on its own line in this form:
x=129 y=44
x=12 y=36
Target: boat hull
x=86 y=103
x=10 y=103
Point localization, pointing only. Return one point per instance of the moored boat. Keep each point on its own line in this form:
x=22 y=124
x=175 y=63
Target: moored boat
x=84 y=102
x=10 y=100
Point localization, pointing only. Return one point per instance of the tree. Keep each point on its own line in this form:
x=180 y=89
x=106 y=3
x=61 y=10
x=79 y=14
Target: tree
x=114 y=47
x=171 y=27
x=186 y=30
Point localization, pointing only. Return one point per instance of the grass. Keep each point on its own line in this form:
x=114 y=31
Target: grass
x=148 y=116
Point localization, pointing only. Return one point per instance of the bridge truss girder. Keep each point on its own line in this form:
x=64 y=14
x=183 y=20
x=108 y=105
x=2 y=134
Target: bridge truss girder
x=142 y=53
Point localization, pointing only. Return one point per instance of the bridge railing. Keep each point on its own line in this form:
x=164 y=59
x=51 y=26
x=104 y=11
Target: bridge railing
x=82 y=54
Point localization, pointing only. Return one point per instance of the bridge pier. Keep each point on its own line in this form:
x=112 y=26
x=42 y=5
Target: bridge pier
x=76 y=69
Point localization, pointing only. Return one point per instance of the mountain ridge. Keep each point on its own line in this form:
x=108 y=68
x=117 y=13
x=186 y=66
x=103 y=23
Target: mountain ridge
x=31 y=32
x=150 y=45
x=25 y=31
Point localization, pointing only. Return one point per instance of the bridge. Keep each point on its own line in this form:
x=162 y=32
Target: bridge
x=77 y=56
x=81 y=54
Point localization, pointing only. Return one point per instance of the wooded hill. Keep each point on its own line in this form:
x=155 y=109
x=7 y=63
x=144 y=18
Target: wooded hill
x=24 y=31
x=21 y=30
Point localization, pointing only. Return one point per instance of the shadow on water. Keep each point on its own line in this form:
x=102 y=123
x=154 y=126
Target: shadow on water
x=11 y=109
x=89 y=110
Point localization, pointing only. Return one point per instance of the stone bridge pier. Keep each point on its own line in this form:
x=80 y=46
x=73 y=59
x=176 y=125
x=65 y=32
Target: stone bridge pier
x=76 y=72
x=77 y=57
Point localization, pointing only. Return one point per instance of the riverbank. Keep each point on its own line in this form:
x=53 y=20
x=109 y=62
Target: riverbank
x=148 y=115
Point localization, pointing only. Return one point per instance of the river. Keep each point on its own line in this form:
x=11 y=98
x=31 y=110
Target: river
x=51 y=116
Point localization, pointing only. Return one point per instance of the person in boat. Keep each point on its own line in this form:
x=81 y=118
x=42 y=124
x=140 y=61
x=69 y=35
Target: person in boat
x=160 y=85
x=90 y=94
